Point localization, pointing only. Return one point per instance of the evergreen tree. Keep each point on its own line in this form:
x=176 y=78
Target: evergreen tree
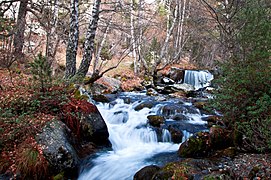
x=245 y=95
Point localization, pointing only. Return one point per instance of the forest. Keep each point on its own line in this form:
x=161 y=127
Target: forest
x=61 y=61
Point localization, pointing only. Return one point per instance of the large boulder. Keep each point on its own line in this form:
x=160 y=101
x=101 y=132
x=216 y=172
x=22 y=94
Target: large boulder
x=57 y=148
x=196 y=146
x=94 y=128
x=205 y=143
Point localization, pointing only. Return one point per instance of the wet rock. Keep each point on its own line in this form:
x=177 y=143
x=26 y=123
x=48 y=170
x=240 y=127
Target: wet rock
x=174 y=170
x=172 y=109
x=180 y=117
x=100 y=98
x=178 y=94
x=192 y=110
x=196 y=146
x=176 y=134
x=94 y=128
x=146 y=173
x=152 y=92
x=156 y=120
x=205 y=143
x=145 y=104
x=55 y=138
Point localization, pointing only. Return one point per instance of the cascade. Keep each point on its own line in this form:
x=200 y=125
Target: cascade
x=166 y=136
x=199 y=79
x=133 y=140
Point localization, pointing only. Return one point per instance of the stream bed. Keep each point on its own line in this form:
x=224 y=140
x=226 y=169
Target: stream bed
x=136 y=144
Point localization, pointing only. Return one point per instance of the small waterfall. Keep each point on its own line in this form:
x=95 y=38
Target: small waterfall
x=199 y=79
x=133 y=140
x=166 y=136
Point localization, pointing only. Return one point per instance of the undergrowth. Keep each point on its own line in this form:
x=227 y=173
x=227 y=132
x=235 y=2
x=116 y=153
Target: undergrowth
x=25 y=109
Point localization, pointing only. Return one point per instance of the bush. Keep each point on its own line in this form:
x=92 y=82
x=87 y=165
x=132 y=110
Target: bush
x=245 y=95
x=41 y=71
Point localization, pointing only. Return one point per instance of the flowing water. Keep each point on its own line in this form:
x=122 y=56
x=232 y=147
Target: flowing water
x=198 y=78
x=134 y=143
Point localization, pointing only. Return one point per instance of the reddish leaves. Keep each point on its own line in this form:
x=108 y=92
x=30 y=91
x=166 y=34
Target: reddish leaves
x=71 y=113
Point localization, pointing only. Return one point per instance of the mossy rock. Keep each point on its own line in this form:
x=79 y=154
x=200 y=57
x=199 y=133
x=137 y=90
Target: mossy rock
x=200 y=105
x=220 y=138
x=156 y=120
x=175 y=170
x=196 y=146
x=78 y=96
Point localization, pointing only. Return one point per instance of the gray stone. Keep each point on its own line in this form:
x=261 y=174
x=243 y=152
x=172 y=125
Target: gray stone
x=183 y=87
x=57 y=149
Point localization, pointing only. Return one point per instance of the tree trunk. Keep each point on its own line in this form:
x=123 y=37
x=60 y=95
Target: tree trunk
x=89 y=43
x=72 y=46
x=20 y=29
x=133 y=41
x=52 y=37
x=97 y=58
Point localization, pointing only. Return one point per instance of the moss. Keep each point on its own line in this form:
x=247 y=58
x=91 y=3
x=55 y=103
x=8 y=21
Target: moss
x=176 y=170
x=78 y=96
x=59 y=176
x=156 y=120
x=196 y=146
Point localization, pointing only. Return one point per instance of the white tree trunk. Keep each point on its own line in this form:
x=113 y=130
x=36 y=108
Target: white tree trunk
x=52 y=37
x=89 y=43
x=72 y=46
x=133 y=41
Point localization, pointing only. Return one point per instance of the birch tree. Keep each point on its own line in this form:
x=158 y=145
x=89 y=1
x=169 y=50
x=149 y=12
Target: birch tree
x=71 y=50
x=133 y=41
x=52 y=36
x=89 y=42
